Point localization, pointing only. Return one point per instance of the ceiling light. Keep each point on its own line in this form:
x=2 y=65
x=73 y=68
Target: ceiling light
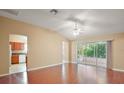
x=76 y=30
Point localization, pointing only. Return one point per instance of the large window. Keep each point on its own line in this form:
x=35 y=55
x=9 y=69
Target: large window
x=92 y=52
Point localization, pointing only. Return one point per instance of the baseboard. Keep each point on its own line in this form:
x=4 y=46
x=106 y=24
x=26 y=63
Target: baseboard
x=39 y=68
x=65 y=62
x=69 y=62
x=4 y=75
x=120 y=70
x=74 y=62
x=44 y=67
x=48 y=66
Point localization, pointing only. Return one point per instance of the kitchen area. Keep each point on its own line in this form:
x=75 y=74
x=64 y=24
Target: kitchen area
x=18 y=53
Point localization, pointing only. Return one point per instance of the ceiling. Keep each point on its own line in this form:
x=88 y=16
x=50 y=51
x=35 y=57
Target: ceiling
x=90 y=21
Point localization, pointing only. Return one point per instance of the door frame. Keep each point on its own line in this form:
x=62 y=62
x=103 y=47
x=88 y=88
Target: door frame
x=85 y=43
x=26 y=59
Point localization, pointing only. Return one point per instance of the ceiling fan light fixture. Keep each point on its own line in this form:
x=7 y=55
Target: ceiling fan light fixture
x=76 y=30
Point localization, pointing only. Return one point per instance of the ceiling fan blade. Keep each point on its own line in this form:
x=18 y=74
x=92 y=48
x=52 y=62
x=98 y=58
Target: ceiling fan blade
x=73 y=19
x=81 y=31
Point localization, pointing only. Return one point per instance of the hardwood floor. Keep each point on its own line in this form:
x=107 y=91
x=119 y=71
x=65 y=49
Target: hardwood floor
x=66 y=74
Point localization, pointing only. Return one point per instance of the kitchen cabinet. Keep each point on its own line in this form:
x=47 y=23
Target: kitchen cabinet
x=22 y=58
x=17 y=46
x=15 y=59
x=18 y=58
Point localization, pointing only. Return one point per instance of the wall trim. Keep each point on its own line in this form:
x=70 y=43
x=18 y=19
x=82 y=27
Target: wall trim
x=120 y=70
x=65 y=62
x=31 y=69
x=74 y=62
x=70 y=62
x=36 y=68
x=4 y=74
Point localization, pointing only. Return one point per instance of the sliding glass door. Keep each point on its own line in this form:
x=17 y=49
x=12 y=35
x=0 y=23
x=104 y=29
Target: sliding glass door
x=92 y=53
x=101 y=54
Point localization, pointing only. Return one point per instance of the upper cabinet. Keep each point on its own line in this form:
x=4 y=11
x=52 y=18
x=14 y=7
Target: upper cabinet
x=17 y=46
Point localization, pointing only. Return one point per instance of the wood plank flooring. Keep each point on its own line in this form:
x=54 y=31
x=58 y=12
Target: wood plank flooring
x=66 y=74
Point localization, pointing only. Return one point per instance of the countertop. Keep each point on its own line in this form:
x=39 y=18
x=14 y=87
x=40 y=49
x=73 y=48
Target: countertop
x=19 y=53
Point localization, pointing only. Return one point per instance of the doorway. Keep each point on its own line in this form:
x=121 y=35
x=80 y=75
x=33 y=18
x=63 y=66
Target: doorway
x=94 y=53
x=18 y=53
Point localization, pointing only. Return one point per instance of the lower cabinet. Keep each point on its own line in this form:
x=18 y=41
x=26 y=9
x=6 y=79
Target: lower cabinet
x=15 y=59
x=22 y=58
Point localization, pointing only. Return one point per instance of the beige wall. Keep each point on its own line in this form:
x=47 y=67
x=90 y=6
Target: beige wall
x=73 y=50
x=44 y=46
x=117 y=48
x=118 y=53
x=65 y=53
x=70 y=51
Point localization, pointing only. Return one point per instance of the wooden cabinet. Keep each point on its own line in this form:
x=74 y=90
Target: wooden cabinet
x=15 y=59
x=12 y=45
x=18 y=58
x=17 y=46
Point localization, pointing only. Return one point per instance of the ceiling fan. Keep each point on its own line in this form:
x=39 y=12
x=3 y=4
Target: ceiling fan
x=77 y=30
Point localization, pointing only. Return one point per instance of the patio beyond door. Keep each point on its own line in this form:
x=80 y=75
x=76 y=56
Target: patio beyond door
x=92 y=53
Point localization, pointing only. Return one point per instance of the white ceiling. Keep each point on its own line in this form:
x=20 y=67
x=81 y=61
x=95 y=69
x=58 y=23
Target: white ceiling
x=91 y=22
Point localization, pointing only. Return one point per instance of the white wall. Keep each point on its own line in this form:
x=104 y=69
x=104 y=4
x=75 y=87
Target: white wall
x=17 y=38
